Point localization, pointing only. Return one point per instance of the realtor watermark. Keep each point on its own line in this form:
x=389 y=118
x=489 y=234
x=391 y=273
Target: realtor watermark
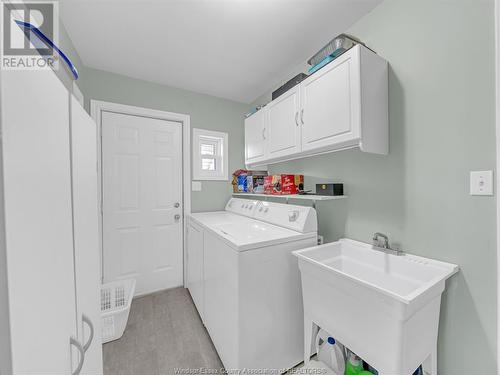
x=21 y=47
x=250 y=371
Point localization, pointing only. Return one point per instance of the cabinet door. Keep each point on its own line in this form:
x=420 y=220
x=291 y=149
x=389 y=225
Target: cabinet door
x=331 y=104
x=255 y=137
x=38 y=221
x=195 y=265
x=86 y=233
x=283 y=125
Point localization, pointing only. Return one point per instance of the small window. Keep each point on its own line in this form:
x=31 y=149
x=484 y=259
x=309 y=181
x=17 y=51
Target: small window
x=209 y=155
x=208 y=164
x=207 y=148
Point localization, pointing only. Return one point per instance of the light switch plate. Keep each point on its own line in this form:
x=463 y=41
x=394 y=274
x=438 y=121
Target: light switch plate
x=481 y=183
x=196 y=185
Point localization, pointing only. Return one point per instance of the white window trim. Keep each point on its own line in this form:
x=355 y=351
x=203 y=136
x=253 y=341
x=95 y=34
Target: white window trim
x=497 y=182
x=200 y=175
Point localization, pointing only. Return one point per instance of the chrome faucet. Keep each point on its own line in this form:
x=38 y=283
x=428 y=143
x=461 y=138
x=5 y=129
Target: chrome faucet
x=381 y=243
x=376 y=240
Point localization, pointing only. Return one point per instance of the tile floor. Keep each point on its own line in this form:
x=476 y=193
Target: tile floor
x=164 y=333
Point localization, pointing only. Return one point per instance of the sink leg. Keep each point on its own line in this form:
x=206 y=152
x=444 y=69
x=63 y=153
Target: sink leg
x=434 y=362
x=430 y=364
x=308 y=333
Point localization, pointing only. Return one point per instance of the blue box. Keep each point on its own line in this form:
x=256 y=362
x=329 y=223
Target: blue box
x=242 y=183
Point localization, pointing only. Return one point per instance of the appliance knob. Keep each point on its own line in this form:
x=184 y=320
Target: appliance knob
x=266 y=209
x=260 y=209
x=177 y=217
x=293 y=215
x=177 y=205
x=250 y=207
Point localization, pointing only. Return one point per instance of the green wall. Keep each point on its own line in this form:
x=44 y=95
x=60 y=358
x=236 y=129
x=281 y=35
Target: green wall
x=442 y=125
x=207 y=112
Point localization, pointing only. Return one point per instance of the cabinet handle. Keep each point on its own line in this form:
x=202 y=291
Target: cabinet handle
x=302 y=116
x=77 y=345
x=297 y=118
x=264 y=133
x=87 y=320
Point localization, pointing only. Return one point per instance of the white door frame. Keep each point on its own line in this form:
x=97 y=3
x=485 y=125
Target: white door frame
x=97 y=107
x=497 y=179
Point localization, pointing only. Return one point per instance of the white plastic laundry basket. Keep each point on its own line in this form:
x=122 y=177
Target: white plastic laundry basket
x=116 y=298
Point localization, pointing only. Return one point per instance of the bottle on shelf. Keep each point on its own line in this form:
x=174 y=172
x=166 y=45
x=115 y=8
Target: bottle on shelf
x=330 y=352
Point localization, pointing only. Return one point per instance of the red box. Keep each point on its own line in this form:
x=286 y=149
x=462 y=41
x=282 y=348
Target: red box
x=268 y=184
x=283 y=184
x=292 y=183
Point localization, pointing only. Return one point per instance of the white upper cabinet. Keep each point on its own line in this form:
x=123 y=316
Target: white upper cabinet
x=343 y=105
x=283 y=135
x=330 y=116
x=255 y=137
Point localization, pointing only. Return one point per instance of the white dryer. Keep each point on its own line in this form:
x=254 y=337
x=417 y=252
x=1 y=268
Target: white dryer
x=245 y=282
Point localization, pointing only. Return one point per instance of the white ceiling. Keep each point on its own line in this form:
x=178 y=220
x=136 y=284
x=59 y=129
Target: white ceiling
x=234 y=49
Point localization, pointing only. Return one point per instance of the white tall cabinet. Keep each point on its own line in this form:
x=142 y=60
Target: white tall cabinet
x=49 y=248
x=86 y=236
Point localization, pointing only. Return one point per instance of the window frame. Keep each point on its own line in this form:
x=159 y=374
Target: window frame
x=221 y=155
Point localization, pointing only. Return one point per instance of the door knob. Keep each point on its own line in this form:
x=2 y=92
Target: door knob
x=177 y=205
x=177 y=217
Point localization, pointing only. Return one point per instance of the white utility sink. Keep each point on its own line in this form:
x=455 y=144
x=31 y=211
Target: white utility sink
x=383 y=307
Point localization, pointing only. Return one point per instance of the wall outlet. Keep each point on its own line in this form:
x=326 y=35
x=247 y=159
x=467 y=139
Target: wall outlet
x=321 y=239
x=196 y=185
x=481 y=183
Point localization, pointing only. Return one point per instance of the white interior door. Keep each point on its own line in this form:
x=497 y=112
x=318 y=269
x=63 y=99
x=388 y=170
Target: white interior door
x=142 y=201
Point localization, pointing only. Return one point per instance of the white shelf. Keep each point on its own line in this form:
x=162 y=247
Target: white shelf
x=292 y=196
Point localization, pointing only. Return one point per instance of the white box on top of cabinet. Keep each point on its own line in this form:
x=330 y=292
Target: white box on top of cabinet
x=343 y=105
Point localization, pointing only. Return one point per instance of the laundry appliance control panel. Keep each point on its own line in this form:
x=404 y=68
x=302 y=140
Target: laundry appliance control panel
x=298 y=218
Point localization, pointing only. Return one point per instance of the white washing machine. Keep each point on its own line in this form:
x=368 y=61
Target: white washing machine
x=245 y=281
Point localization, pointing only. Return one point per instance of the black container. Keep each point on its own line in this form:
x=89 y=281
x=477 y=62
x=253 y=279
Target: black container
x=330 y=189
x=287 y=86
